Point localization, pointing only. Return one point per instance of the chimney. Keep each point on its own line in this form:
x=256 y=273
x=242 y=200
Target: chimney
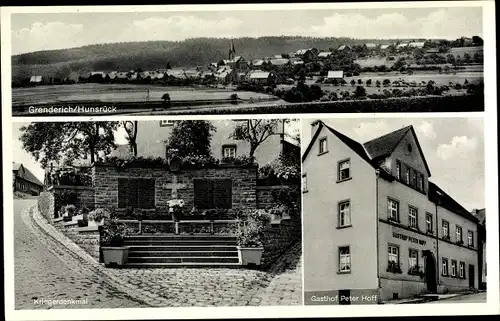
x=314 y=126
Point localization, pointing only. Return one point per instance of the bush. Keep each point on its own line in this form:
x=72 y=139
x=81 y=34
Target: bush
x=233 y=97
x=386 y=82
x=71 y=210
x=113 y=234
x=252 y=232
x=98 y=214
x=360 y=92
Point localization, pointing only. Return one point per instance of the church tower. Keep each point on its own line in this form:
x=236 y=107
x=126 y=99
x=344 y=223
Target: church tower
x=232 y=51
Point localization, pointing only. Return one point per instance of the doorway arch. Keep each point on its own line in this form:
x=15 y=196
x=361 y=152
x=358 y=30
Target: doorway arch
x=430 y=271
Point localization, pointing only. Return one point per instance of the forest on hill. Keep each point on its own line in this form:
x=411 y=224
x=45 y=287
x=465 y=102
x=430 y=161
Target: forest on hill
x=152 y=55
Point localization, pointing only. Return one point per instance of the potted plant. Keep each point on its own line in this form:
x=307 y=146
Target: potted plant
x=112 y=238
x=84 y=221
x=394 y=267
x=70 y=211
x=175 y=208
x=98 y=216
x=250 y=238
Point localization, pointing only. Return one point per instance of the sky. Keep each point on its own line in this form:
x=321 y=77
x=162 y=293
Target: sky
x=48 y=31
x=21 y=156
x=453 y=149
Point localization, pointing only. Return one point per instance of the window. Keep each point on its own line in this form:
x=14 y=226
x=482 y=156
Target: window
x=344 y=214
x=166 y=123
x=428 y=222
x=393 y=209
x=213 y=193
x=413 y=258
x=344 y=259
x=462 y=270
x=412 y=217
x=304 y=183
x=444 y=267
x=344 y=170
x=322 y=146
x=453 y=268
x=446 y=229
x=393 y=254
x=458 y=232
x=136 y=193
x=407 y=176
x=398 y=170
x=421 y=183
x=470 y=238
x=229 y=151
x=414 y=179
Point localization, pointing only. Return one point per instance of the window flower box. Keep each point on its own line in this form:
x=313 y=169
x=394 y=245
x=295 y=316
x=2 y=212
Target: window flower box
x=394 y=267
x=460 y=242
x=415 y=270
x=429 y=232
x=445 y=238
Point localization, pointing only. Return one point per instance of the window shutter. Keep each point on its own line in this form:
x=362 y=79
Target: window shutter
x=146 y=193
x=222 y=193
x=203 y=194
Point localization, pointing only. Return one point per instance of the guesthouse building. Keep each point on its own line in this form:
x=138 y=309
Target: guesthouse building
x=375 y=225
x=24 y=181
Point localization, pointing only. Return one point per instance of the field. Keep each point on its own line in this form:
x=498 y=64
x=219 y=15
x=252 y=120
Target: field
x=110 y=93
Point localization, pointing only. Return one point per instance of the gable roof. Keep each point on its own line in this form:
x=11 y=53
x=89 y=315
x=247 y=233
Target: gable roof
x=36 y=79
x=260 y=75
x=436 y=194
x=335 y=74
x=324 y=54
x=383 y=146
x=385 y=46
x=25 y=174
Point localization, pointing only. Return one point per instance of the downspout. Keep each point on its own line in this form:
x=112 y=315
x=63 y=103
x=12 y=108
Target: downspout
x=377 y=176
x=437 y=244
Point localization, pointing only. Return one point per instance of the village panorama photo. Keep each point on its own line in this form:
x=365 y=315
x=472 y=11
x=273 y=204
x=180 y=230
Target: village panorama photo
x=157 y=213
x=256 y=61
x=394 y=211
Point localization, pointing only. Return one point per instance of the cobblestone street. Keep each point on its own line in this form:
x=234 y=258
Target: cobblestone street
x=45 y=269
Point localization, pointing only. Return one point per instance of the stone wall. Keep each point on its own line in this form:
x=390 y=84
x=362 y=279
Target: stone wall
x=85 y=237
x=280 y=237
x=264 y=196
x=105 y=179
x=84 y=194
x=46 y=205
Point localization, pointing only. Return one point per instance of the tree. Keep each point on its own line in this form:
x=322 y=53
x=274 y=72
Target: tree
x=131 y=129
x=377 y=83
x=353 y=82
x=467 y=58
x=369 y=82
x=386 y=82
x=255 y=131
x=55 y=141
x=360 y=82
x=360 y=92
x=165 y=97
x=191 y=138
x=169 y=66
x=450 y=59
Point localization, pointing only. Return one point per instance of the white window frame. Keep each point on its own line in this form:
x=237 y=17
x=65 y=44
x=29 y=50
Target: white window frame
x=470 y=238
x=398 y=170
x=344 y=214
x=428 y=222
x=462 y=269
x=453 y=268
x=342 y=170
x=321 y=140
x=391 y=209
x=407 y=173
x=458 y=233
x=447 y=234
x=166 y=122
x=412 y=261
x=393 y=256
x=412 y=217
x=304 y=183
x=226 y=148
x=344 y=259
x=444 y=267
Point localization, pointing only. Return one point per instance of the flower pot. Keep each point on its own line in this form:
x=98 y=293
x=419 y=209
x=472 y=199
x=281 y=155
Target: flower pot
x=250 y=255
x=115 y=255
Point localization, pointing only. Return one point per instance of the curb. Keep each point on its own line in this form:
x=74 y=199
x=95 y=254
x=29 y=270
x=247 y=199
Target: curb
x=140 y=295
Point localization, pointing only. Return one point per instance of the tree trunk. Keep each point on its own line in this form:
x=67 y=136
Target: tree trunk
x=252 y=150
x=134 y=140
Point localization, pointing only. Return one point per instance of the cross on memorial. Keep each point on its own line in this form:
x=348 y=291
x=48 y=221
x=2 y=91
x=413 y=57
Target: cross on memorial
x=174 y=186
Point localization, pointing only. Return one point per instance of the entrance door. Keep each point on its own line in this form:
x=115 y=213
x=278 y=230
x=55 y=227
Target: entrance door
x=430 y=272
x=471 y=276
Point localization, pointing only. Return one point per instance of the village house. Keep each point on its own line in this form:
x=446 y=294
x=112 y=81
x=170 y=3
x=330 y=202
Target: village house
x=306 y=54
x=279 y=61
x=152 y=137
x=370 y=46
x=335 y=74
x=375 y=225
x=258 y=63
x=36 y=80
x=480 y=214
x=24 y=181
x=385 y=46
x=344 y=48
x=417 y=44
x=324 y=54
x=263 y=77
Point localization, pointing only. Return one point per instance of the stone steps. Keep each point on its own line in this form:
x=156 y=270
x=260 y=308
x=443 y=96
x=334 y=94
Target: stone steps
x=182 y=251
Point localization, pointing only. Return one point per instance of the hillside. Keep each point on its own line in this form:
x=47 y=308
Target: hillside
x=155 y=54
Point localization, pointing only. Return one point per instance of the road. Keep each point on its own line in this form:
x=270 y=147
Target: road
x=469 y=298
x=44 y=271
